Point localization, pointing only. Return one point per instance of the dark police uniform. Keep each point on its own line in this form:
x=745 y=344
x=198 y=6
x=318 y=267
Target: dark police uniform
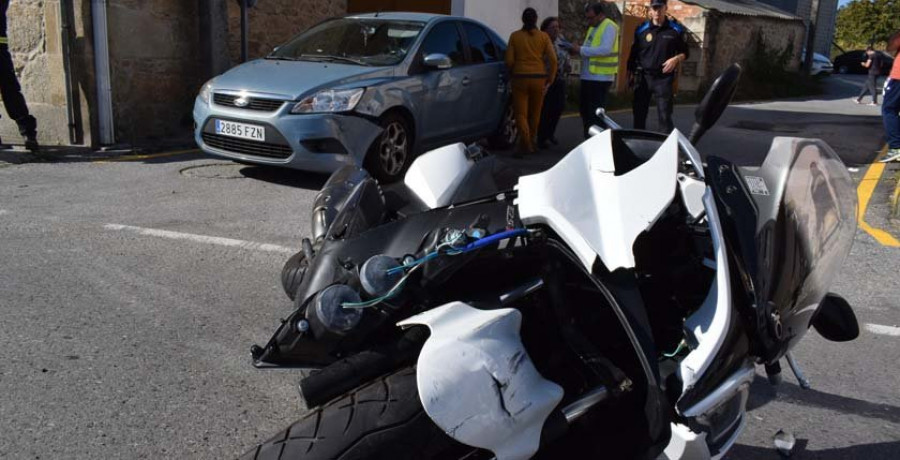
x=653 y=46
x=10 y=89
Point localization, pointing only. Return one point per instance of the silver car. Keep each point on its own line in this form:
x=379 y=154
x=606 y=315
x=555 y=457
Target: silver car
x=371 y=89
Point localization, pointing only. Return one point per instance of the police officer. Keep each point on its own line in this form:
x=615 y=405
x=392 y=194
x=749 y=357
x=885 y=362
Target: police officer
x=599 y=62
x=658 y=49
x=10 y=89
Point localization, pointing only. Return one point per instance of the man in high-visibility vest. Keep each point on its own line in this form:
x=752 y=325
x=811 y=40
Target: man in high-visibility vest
x=599 y=63
x=659 y=48
x=11 y=91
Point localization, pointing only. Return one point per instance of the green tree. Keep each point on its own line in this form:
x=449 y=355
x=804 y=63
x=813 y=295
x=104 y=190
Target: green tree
x=863 y=22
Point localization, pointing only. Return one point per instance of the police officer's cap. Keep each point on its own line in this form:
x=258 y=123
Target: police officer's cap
x=658 y=3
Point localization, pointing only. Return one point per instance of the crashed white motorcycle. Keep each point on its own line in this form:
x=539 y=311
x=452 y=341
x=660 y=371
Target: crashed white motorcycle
x=613 y=306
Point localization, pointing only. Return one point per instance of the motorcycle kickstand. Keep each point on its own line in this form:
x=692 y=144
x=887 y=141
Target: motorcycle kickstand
x=804 y=383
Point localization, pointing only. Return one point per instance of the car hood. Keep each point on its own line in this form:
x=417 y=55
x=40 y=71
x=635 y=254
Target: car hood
x=294 y=79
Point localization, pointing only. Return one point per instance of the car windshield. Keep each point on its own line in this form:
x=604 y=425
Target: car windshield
x=358 y=41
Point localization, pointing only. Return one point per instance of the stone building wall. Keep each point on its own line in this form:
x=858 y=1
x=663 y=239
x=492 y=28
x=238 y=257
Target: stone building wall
x=825 y=27
x=35 y=45
x=154 y=53
x=734 y=39
x=273 y=22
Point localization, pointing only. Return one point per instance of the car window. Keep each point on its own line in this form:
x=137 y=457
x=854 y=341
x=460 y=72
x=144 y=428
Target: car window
x=481 y=48
x=363 y=41
x=444 y=38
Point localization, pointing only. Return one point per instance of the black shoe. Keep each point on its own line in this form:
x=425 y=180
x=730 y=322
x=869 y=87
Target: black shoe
x=31 y=144
x=553 y=141
x=543 y=145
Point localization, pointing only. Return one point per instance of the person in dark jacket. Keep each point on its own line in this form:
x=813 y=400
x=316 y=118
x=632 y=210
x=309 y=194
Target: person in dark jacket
x=555 y=99
x=659 y=48
x=873 y=63
x=11 y=91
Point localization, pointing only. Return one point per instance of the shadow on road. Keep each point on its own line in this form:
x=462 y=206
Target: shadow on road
x=762 y=393
x=286 y=177
x=873 y=451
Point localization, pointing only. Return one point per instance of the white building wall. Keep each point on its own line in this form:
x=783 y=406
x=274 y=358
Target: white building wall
x=504 y=16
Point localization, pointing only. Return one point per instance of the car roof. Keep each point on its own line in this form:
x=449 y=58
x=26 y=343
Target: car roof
x=400 y=16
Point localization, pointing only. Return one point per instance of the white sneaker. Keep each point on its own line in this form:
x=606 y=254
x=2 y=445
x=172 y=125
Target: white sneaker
x=892 y=155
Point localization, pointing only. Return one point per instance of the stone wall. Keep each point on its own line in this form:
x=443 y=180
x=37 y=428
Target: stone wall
x=154 y=53
x=35 y=45
x=734 y=38
x=273 y=22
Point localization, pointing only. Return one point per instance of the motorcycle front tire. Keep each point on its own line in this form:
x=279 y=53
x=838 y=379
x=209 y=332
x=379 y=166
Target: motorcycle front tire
x=383 y=419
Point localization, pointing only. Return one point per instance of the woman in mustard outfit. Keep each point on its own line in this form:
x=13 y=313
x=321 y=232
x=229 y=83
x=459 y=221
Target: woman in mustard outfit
x=532 y=64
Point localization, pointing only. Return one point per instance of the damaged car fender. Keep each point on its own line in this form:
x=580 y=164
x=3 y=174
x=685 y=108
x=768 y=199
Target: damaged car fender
x=477 y=382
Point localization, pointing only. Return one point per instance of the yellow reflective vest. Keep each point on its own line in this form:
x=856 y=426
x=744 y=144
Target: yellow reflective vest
x=603 y=65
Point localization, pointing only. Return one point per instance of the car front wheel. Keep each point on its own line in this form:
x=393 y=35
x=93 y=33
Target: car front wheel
x=392 y=152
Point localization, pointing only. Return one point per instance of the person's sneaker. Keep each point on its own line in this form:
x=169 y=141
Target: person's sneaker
x=856 y=100
x=875 y=104
x=892 y=155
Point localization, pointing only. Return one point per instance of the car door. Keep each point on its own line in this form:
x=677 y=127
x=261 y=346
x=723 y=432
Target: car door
x=443 y=99
x=487 y=86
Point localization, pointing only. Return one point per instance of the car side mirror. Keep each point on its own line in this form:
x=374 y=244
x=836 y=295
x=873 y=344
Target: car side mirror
x=438 y=61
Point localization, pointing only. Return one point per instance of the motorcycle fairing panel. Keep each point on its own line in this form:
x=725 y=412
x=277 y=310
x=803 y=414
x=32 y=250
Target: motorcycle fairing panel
x=592 y=206
x=597 y=206
x=791 y=223
x=477 y=382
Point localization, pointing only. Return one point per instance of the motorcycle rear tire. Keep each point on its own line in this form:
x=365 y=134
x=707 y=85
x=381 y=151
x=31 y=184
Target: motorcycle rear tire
x=383 y=419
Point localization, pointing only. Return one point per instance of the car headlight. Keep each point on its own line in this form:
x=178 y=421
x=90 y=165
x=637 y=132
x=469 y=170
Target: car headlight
x=330 y=101
x=205 y=90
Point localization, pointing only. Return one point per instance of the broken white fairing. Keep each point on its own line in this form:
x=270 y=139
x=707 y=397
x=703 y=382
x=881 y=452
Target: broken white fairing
x=474 y=376
x=597 y=212
x=478 y=384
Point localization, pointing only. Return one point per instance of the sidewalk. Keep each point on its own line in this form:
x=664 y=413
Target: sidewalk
x=76 y=154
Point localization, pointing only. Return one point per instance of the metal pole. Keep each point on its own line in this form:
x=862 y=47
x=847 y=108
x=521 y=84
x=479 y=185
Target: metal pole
x=244 y=32
x=105 y=121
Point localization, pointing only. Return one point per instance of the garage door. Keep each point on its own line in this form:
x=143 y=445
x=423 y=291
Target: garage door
x=421 y=6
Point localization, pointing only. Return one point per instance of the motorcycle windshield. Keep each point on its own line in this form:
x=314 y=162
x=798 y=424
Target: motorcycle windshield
x=804 y=207
x=820 y=220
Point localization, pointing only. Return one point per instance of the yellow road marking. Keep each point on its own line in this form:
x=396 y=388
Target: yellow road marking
x=148 y=156
x=864 y=194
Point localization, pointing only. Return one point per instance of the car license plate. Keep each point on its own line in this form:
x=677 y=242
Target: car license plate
x=241 y=130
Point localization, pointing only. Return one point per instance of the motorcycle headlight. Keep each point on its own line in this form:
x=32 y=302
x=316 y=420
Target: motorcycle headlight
x=329 y=101
x=205 y=90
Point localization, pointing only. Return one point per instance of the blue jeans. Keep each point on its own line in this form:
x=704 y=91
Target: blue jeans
x=889 y=112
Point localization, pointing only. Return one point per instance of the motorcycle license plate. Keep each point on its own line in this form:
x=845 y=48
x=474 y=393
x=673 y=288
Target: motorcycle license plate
x=241 y=130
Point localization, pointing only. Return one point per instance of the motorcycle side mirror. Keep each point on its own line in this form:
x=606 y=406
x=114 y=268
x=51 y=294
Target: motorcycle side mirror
x=438 y=61
x=715 y=102
x=835 y=320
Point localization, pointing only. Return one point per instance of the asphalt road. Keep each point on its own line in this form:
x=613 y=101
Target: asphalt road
x=131 y=291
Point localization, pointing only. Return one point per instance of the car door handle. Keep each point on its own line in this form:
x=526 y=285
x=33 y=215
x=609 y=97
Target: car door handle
x=465 y=81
